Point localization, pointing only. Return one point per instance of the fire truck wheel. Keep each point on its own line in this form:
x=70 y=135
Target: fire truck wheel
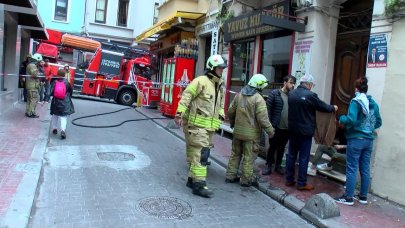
x=126 y=97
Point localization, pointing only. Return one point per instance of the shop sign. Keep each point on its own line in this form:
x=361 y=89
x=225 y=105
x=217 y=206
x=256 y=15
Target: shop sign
x=251 y=24
x=214 y=42
x=206 y=27
x=377 y=51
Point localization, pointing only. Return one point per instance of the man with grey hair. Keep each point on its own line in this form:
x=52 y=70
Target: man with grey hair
x=303 y=105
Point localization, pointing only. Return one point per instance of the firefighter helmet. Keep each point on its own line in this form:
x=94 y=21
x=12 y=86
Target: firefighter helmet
x=215 y=61
x=37 y=57
x=258 y=81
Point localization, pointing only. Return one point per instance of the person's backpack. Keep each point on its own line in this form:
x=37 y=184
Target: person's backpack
x=59 y=90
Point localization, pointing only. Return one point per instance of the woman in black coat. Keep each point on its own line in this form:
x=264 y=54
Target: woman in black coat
x=61 y=108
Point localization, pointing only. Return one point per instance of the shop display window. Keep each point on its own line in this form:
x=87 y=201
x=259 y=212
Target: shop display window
x=275 y=58
x=242 y=62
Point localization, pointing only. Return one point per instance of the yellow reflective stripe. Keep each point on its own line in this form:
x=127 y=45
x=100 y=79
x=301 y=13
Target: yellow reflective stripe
x=199 y=171
x=181 y=108
x=246 y=130
x=192 y=89
x=261 y=108
x=207 y=122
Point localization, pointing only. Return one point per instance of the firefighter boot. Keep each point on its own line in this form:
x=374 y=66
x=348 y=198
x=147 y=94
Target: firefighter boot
x=190 y=182
x=201 y=189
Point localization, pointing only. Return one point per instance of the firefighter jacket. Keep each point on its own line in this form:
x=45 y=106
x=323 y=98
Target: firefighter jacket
x=248 y=115
x=201 y=103
x=32 y=82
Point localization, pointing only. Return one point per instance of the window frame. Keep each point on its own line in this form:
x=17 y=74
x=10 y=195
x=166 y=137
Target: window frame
x=127 y=13
x=58 y=18
x=105 y=12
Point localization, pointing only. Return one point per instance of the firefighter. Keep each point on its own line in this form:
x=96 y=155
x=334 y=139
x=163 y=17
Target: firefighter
x=248 y=116
x=201 y=112
x=32 y=84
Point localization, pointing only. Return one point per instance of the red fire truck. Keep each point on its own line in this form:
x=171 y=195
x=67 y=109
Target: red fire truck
x=114 y=72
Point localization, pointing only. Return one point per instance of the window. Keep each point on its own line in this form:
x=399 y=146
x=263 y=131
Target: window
x=101 y=11
x=275 y=58
x=242 y=64
x=61 y=9
x=123 y=12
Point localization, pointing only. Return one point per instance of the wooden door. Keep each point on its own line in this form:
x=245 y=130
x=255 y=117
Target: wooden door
x=350 y=64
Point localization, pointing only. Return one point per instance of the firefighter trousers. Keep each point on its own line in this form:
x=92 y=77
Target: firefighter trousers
x=197 y=141
x=244 y=153
x=32 y=99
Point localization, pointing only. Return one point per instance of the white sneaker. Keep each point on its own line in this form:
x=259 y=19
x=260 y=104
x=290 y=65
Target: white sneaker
x=324 y=167
x=311 y=171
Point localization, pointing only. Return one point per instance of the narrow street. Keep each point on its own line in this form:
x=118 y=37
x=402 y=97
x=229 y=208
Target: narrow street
x=134 y=175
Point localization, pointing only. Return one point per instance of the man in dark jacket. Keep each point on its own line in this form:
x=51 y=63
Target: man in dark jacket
x=303 y=105
x=277 y=108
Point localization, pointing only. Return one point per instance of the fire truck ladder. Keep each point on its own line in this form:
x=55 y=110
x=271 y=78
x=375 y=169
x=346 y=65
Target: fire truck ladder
x=129 y=52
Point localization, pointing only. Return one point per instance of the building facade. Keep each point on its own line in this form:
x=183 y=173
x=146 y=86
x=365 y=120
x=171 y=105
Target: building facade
x=63 y=15
x=117 y=20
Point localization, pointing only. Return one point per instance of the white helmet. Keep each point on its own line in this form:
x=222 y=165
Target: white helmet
x=215 y=61
x=258 y=81
x=37 y=57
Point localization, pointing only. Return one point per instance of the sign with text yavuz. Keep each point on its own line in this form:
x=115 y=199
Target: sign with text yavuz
x=250 y=24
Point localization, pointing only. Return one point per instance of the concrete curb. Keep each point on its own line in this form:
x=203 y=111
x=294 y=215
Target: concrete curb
x=19 y=212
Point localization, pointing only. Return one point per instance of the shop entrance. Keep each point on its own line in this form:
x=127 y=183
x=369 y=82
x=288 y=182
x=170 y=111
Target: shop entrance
x=351 y=50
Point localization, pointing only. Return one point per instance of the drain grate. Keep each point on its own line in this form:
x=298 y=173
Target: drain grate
x=165 y=207
x=115 y=156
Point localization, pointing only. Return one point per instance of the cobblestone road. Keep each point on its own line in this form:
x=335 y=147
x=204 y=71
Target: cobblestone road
x=114 y=177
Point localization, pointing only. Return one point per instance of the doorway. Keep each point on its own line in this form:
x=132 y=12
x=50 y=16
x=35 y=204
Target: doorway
x=351 y=50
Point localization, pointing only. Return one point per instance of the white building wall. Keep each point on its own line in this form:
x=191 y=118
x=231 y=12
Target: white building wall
x=140 y=17
x=387 y=86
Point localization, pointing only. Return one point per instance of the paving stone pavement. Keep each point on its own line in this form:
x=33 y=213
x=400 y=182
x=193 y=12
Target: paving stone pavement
x=20 y=163
x=77 y=189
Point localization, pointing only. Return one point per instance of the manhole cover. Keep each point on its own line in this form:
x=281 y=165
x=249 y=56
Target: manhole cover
x=115 y=156
x=165 y=207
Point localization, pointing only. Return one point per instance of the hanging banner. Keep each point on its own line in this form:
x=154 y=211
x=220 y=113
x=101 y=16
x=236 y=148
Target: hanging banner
x=377 y=51
x=301 y=57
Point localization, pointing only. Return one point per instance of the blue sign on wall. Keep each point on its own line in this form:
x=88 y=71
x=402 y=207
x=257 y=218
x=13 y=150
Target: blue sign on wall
x=377 y=51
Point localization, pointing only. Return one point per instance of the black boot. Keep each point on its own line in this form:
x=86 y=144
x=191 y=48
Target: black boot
x=201 y=189
x=235 y=180
x=189 y=182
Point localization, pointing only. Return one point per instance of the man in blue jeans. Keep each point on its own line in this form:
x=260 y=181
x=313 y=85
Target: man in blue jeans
x=303 y=105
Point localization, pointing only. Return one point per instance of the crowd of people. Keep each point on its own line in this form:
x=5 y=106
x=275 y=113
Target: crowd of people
x=40 y=83
x=288 y=115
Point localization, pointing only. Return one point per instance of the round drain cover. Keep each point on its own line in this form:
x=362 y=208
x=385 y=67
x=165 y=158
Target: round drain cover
x=115 y=156
x=165 y=207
